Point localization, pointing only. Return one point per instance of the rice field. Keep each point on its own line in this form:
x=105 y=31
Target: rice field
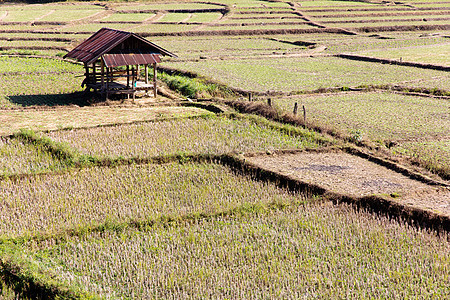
x=435 y=154
x=50 y=204
x=19 y=158
x=168 y=6
x=10 y=65
x=185 y=229
x=311 y=73
x=378 y=116
x=434 y=54
x=71 y=118
x=213 y=135
x=37 y=81
x=44 y=89
x=330 y=252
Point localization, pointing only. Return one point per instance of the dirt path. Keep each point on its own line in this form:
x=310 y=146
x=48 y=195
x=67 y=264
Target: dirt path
x=348 y=174
x=44 y=15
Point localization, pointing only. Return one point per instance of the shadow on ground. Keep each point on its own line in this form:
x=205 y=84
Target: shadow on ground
x=77 y=98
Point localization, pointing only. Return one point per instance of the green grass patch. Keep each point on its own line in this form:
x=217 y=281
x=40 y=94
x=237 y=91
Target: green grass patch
x=378 y=116
x=69 y=15
x=204 y=17
x=175 y=17
x=36 y=65
x=168 y=6
x=117 y=17
x=23 y=15
x=431 y=54
x=192 y=87
x=43 y=89
x=434 y=155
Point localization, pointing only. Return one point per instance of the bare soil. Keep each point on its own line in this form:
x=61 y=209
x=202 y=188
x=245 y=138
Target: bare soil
x=347 y=174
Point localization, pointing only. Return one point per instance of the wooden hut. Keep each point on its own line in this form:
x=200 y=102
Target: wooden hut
x=112 y=60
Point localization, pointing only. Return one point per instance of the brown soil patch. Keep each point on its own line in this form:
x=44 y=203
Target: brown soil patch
x=351 y=175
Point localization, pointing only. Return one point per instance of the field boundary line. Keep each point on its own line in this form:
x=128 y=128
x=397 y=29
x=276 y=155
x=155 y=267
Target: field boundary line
x=393 y=62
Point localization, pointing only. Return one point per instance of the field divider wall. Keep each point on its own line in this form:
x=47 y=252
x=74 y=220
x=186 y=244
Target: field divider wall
x=393 y=62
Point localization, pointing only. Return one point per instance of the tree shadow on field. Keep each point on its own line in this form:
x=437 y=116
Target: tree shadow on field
x=76 y=98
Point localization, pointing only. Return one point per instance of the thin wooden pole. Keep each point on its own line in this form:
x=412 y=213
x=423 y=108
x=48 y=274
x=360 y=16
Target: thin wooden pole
x=304 y=115
x=133 y=78
x=146 y=74
x=154 y=80
x=295 y=108
x=128 y=76
x=103 y=75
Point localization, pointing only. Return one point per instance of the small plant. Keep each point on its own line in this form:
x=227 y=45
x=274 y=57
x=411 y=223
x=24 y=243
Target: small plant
x=356 y=135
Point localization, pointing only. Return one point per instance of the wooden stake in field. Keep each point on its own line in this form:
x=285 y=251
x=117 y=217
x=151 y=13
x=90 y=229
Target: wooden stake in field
x=269 y=102
x=304 y=115
x=295 y=108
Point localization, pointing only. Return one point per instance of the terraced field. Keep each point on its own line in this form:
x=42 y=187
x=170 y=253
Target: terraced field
x=224 y=197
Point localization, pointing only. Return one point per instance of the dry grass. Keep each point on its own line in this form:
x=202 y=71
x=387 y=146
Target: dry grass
x=215 y=135
x=321 y=252
x=17 y=158
x=76 y=117
x=89 y=197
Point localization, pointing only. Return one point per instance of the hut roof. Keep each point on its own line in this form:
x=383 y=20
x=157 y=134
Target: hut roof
x=123 y=48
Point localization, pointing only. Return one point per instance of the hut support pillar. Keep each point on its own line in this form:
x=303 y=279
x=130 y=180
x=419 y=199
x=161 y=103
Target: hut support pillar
x=102 y=89
x=94 y=73
x=146 y=74
x=154 y=80
x=128 y=76
x=86 y=77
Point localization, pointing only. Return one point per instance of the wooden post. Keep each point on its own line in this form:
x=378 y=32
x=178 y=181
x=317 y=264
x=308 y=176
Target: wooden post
x=146 y=74
x=86 y=68
x=94 y=73
x=103 y=75
x=304 y=115
x=295 y=108
x=249 y=96
x=137 y=72
x=154 y=80
x=133 y=78
x=128 y=76
x=269 y=101
x=106 y=84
